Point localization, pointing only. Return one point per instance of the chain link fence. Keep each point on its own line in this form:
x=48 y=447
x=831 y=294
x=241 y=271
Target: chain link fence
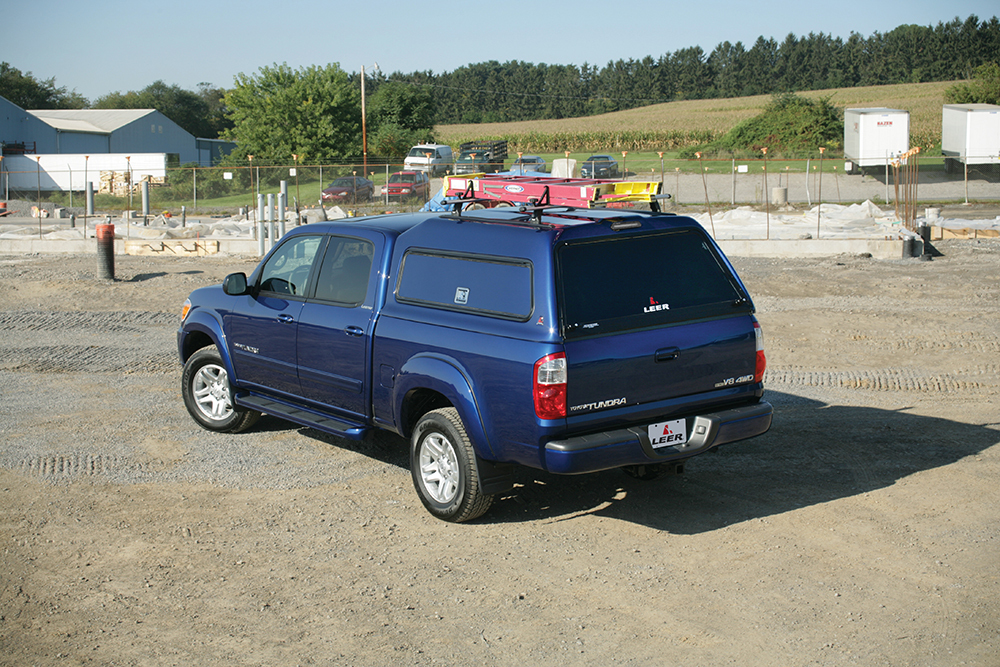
x=708 y=181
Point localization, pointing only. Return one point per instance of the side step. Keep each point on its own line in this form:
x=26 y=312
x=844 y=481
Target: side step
x=303 y=416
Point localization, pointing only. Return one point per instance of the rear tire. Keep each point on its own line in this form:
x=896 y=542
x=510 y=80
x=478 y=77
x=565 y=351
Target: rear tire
x=444 y=470
x=208 y=395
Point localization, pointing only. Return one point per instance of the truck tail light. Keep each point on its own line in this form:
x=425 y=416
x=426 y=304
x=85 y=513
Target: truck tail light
x=549 y=386
x=761 y=365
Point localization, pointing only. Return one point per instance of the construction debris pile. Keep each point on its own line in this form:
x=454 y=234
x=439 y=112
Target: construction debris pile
x=119 y=183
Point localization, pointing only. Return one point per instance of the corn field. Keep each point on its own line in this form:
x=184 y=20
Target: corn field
x=677 y=125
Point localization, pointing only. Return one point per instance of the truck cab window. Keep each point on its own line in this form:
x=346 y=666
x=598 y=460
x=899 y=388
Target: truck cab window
x=345 y=271
x=287 y=270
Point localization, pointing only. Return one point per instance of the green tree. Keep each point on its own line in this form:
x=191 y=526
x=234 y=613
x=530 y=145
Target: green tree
x=214 y=100
x=394 y=141
x=562 y=98
x=727 y=62
x=397 y=103
x=187 y=109
x=693 y=73
x=911 y=51
x=758 y=73
x=983 y=88
x=313 y=112
x=27 y=92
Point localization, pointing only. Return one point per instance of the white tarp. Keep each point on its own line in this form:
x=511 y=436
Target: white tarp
x=857 y=221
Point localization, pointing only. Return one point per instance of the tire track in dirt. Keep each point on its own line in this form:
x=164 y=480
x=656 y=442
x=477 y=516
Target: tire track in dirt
x=876 y=379
x=76 y=464
x=89 y=359
x=128 y=342
x=962 y=341
x=108 y=322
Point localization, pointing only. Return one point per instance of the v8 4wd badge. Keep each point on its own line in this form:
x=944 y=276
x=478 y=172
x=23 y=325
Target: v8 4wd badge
x=728 y=382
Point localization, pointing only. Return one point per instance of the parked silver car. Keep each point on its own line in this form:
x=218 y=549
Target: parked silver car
x=528 y=163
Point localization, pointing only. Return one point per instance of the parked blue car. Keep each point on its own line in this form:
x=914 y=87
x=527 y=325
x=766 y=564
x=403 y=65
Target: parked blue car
x=569 y=340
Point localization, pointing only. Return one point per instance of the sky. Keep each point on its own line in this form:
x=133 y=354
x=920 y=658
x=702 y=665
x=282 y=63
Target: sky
x=102 y=47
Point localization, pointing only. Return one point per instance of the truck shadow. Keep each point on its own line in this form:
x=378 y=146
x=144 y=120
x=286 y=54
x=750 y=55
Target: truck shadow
x=814 y=453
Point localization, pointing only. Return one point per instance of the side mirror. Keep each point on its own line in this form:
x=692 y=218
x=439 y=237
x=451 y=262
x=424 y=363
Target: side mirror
x=235 y=284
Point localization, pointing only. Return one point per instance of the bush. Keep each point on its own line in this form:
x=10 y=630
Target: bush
x=983 y=88
x=789 y=126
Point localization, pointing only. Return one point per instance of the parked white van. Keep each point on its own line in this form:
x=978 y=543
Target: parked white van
x=431 y=158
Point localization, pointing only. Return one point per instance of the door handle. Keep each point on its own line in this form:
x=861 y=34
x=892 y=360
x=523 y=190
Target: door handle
x=667 y=354
x=354 y=331
x=285 y=319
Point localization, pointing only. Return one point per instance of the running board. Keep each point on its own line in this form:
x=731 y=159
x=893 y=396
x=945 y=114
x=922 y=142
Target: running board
x=302 y=416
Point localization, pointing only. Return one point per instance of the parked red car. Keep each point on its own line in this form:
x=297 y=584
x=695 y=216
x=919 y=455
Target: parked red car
x=408 y=184
x=351 y=189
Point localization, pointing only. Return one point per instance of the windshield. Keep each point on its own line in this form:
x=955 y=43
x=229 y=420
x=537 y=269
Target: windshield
x=470 y=155
x=403 y=178
x=347 y=182
x=421 y=152
x=631 y=282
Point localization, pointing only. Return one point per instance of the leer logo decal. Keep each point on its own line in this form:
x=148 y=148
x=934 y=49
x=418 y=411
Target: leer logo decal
x=667 y=437
x=655 y=305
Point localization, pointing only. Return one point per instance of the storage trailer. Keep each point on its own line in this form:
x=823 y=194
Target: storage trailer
x=874 y=137
x=970 y=135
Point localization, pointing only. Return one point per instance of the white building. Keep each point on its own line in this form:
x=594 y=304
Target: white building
x=92 y=131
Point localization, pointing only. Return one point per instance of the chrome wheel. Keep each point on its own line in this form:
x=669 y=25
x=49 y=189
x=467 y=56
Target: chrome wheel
x=444 y=467
x=210 y=387
x=209 y=397
x=439 y=471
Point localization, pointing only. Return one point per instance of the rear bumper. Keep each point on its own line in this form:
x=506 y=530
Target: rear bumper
x=631 y=446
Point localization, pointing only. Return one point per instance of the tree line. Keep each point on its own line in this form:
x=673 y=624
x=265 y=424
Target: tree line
x=512 y=91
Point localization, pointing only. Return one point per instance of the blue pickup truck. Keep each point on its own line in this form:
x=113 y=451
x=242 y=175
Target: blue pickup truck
x=566 y=339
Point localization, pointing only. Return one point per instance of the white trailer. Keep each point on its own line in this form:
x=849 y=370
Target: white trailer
x=874 y=137
x=970 y=134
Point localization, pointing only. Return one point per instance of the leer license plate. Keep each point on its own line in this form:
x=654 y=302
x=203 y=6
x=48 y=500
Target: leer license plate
x=668 y=433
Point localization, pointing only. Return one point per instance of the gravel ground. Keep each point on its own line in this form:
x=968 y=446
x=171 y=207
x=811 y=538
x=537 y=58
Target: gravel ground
x=861 y=530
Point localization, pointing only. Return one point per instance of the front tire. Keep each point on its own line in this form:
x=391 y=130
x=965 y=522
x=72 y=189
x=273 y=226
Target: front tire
x=444 y=470
x=208 y=395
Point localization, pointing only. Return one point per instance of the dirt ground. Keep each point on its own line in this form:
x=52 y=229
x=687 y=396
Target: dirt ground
x=863 y=529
